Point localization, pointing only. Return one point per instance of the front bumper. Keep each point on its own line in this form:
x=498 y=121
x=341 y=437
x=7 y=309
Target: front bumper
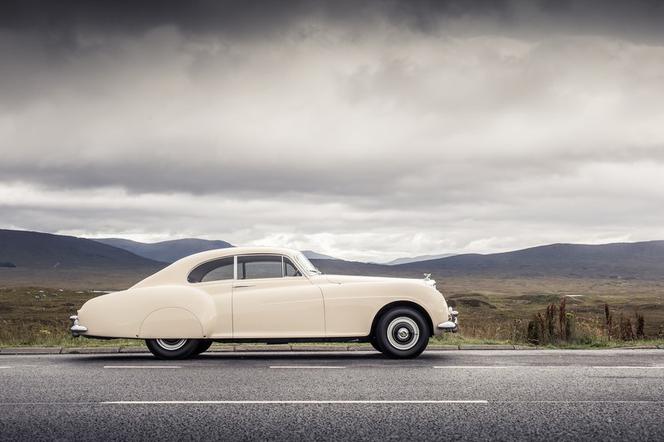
x=452 y=324
x=76 y=328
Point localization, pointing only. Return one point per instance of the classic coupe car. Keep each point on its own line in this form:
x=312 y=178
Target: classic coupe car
x=267 y=295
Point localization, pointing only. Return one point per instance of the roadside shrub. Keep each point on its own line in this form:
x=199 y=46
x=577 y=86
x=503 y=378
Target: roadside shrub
x=640 y=326
x=562 y=321
x=570 y=327
x=516 y=333
x=608 y=316
x=550 y=318
x=625 y=328
x=535 y=331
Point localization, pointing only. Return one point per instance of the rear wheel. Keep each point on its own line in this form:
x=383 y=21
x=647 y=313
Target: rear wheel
x=402 y=332
x=173 y=348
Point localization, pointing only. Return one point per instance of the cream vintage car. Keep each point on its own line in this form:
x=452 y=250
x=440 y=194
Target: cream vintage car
x=268 y=295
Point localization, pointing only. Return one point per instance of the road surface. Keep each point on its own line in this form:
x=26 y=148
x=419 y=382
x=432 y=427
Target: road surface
x=498 y=395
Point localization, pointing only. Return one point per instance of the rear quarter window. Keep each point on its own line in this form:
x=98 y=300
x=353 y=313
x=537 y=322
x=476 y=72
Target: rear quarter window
x=216 y=270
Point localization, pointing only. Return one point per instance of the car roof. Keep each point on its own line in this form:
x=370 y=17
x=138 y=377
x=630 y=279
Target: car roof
x=178 y=271
x=232 y=251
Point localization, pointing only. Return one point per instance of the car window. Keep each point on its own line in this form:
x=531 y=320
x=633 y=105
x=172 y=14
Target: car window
x=217 y=270
x=259 y=266
x=290 y=269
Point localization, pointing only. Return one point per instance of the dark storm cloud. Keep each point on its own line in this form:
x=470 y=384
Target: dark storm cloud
x=246 y=17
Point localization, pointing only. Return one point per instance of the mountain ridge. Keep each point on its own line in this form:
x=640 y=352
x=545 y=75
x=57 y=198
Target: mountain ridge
x=60 y=258
x=37 y=250
x=165 y=251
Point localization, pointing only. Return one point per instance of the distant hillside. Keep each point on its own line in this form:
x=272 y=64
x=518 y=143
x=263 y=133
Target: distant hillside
x=315 y=255
x=640 y=260
x=408 y=260
x=165 y=251
x=36 y=250
x=47 y=260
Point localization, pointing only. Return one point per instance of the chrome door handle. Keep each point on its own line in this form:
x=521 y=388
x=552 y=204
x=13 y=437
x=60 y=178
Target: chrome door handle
x=243 y=285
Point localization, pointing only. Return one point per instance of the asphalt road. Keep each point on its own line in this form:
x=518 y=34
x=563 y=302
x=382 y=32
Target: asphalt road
x=445 y=395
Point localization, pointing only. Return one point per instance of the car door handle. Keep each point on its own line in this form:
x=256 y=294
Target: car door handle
x=239 y=286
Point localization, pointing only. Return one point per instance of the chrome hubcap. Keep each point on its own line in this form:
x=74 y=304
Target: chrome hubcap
x=403 y=333
x=171 y=344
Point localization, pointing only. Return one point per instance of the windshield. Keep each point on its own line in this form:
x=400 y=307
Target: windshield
x=306 y=265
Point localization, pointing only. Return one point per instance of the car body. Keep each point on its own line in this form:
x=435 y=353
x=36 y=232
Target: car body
x=265 y=295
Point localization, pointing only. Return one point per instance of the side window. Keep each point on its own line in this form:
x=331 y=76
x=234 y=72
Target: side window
x=216 y=270
x=259 y=266
x=290 y=269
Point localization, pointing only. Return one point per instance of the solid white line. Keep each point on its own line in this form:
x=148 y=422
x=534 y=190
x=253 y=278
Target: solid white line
x=545 y=366
x=141 y=366
x=626 y=366
x=367 y=402
x=482 y=366
x=580 y=402
x=290 y=402
x=305 y=366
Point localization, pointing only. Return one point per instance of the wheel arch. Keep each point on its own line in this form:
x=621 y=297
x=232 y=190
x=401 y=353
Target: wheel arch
x=402 y=303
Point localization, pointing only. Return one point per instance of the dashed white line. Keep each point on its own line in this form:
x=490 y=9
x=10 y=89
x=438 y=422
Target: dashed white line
x=4 y=367
x=141 y=366
x=340 y=402
x=305 y=367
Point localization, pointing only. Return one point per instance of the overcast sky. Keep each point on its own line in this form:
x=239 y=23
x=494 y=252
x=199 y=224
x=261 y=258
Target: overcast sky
x=364 y=130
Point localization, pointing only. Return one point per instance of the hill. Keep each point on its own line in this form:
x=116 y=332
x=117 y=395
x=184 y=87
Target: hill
x=37 y=250
x=410 y=259
x=639 y=260
x=165 y=251
x=43 y=259
x=315 y=255
x=46 y=260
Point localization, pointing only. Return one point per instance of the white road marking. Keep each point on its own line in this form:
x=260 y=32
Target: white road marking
x=483 y=366
x=626 y=366
x=5 y=367
x=580 y=402
x=306 y=366
x=293 y=402
x=141 y=366
x=547 y=366
x=332 y=402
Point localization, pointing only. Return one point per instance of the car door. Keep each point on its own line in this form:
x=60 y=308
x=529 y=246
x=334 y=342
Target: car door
x=272 y=299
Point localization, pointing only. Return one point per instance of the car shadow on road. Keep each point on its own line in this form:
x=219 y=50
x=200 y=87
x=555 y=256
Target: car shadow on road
x=257 y=356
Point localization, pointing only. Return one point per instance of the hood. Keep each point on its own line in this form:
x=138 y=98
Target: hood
x=347 y=279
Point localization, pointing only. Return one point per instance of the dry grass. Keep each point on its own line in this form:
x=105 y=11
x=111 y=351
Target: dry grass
x=492 y=310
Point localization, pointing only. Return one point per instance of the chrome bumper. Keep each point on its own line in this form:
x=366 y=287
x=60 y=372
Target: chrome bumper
x=451 y=325
x=76 y=328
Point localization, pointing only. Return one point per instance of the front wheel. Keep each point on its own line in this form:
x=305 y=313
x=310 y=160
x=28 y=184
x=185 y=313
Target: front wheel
x=402 y=332
x=374 y=343
x=173 y=348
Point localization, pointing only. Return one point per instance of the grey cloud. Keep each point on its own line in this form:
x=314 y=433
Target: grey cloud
x=341 y=127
